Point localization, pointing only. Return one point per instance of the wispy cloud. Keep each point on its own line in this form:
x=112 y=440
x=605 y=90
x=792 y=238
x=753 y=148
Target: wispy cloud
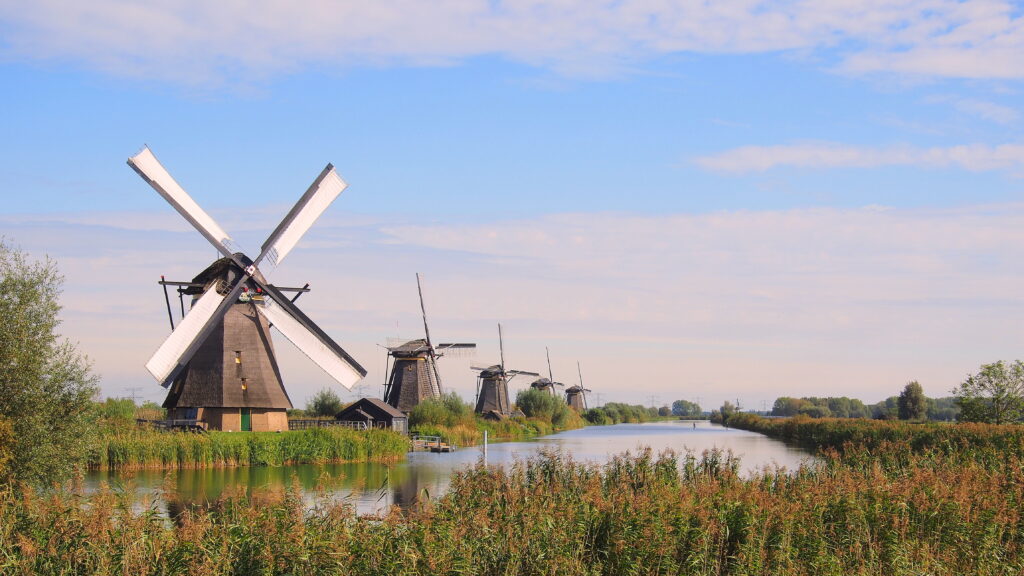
x=196 y=42
x=760 y=303
x=983 y=109
x=973 y=157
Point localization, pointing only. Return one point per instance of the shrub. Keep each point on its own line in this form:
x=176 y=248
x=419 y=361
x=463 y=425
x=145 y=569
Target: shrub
x=324 y=404
x=449 y=410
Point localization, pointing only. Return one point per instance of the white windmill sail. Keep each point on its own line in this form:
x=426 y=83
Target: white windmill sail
x=324 y=190
x=170 y=355
x=310 y=344
x=146 y=164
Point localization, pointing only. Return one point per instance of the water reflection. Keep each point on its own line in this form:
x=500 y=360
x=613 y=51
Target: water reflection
x=374 y=488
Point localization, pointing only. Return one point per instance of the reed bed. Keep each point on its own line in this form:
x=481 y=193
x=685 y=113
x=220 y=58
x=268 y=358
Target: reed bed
x=912 y=514
x=970 y=441
x=155 y=449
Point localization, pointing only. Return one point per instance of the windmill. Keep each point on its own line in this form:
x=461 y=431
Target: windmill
x=576 y=396
x=492 y=385
x=414 y=376
x=219 y=362
x=547 y=384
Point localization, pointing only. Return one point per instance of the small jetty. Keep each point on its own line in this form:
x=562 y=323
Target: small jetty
x=431 y=444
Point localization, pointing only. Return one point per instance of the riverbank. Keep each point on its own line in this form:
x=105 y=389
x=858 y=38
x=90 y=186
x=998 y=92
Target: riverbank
x=969 y=440
x=142 y=448
x=911 y=514
x=511 y=429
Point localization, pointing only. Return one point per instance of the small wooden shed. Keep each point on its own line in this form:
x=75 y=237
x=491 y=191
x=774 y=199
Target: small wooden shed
x=375 y=413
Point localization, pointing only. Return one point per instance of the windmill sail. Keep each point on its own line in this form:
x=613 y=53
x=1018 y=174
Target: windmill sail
x=312 y=342
x=324 y=190
x=146 y=164
x=175 y=352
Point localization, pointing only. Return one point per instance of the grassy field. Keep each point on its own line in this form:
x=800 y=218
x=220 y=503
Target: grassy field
x=139 y=448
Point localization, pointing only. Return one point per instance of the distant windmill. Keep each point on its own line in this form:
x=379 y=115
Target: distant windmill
x=492 y=385
x=414 y=376
x=547 y=384
x=219 y=362
x=576 y=396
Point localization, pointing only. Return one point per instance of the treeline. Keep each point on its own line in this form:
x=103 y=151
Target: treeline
x=943 y=409
x=618 y=413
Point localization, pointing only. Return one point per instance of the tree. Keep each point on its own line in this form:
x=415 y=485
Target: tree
x=887 y=409
x=912 y=403
x=324 y=403
x=46 y=385
x=995 y=394
x=686 y=409
x=664 y=411
x=786 y=406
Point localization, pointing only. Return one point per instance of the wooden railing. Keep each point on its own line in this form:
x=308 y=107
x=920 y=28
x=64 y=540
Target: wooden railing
x=188 y=424
x=307 y=424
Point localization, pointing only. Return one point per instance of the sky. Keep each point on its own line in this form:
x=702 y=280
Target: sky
x=735 y=200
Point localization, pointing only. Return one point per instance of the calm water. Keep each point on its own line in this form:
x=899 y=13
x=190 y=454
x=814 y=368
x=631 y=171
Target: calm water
x=375 y=487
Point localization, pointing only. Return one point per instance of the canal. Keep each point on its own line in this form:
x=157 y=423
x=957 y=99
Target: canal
x=373 y=487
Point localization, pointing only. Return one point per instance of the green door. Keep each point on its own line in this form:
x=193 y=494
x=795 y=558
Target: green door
x=246 y=420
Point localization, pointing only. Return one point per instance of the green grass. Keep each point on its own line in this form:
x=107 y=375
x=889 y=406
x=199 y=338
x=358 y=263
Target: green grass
x=155 y=449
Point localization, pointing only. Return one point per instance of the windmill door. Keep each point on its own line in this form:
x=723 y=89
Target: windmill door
x=246 y=420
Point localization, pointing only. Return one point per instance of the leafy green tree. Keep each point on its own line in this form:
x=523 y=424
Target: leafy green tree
x=597 y=416
x=887 y=409
x=543 y=406
x=786 y=406
x=686 y=409
x=324 y=403
x=816 y=410
x=995 y=394
x=46 y=385
x=912 y=403
x=664 y=411
x=943 y=409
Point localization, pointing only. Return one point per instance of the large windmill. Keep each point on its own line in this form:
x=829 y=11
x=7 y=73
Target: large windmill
x=547 y=384
x=219 y=361
x=492 y=385
x=576 y=395
x=414 y=376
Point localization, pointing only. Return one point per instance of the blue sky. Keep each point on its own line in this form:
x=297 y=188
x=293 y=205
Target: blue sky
x=714 y=201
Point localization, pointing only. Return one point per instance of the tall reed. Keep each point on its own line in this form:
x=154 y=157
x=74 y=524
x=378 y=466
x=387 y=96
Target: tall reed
x=155 y=449
x=639 y=514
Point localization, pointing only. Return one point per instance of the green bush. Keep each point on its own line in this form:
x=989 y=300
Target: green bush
x=449 y=410
x=617 y=413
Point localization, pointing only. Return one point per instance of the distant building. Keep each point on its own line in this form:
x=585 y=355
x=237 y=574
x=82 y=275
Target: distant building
x=375 y=413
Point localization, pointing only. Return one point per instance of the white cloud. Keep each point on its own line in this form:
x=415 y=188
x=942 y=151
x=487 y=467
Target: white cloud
x=973 y=157
x=987 y=110
x=755 y=304
x=196 y=41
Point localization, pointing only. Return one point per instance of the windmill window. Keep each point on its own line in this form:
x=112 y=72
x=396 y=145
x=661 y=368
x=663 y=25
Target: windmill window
x=245 y=383
x=238 y=356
